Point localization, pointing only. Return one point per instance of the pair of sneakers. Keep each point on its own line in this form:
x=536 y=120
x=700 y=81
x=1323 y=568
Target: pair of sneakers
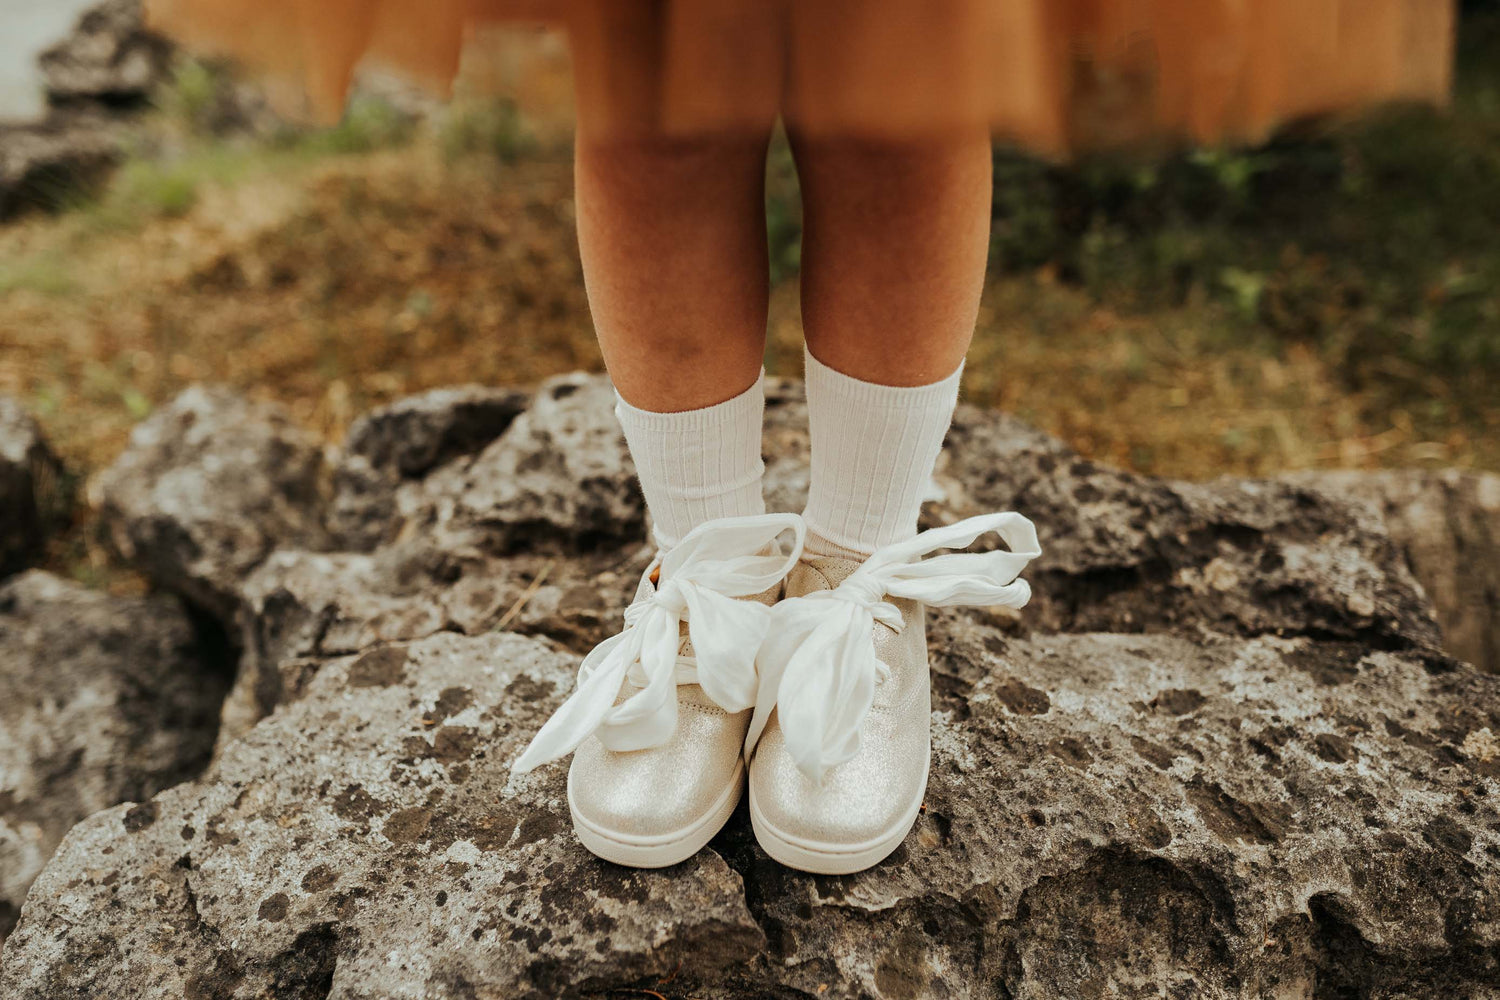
x=744 y=662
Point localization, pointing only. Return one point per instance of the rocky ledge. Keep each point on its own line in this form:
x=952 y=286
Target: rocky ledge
x=102 y=700
x=1224 y=753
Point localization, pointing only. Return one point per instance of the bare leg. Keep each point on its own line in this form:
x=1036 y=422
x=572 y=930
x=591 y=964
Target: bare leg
x=672 y=230
x=893 y=255
x=673 y=238
x=671 y=227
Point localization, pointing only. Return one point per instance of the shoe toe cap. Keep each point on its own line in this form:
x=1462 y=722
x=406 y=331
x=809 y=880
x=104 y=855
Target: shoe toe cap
x=662 y=790
x=859 y=801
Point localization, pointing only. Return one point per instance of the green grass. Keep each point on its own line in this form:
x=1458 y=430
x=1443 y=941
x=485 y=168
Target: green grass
x=46 y=274
x=144 y=189
x=369 y=123
x=157 y=186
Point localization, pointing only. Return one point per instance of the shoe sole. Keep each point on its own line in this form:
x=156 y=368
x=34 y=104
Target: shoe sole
x=820 y=858
x=660 y=850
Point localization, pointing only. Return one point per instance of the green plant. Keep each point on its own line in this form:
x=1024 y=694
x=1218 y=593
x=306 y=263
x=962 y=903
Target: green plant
x=141 y=190
x=783 y=211
x=369 y=123
x=491 y=128
x=46 y=274
x=190 y=93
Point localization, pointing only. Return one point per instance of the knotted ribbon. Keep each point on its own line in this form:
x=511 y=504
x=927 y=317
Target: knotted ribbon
x=818 y=666
x=700 y=580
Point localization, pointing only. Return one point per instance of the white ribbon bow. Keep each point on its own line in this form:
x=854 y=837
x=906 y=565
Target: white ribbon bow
x=700 y=579
x=818 y=666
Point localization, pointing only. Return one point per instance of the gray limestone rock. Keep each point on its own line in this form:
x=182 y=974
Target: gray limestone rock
x=370 y=841
x=70 y=148
x=102 y=700
x=110 y=55
x=208 y=487
x=554 y=477
x=1108 y=815
x=1223 y=754
x=1126 y=816
x=1128 y=553
x=414 y=435
x=302 y=608
x=92 y=77
x=1448 y=524
x=406 y=440
x=559 y=479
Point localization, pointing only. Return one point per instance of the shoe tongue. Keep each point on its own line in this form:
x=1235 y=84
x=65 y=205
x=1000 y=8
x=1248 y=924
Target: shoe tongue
x=819 y=573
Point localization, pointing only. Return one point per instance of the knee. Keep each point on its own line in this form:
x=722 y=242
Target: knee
x=669 y=159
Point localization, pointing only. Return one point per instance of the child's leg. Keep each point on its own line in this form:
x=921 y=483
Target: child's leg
x=893 y=258
x=673 y=236
x=895 y=239
x=673 y=239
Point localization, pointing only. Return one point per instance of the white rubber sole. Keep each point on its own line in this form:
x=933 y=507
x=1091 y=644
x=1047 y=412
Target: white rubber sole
x=820 y=858
x=660 y=850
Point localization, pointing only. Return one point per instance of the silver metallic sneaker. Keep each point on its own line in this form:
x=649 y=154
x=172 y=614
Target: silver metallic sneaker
x=840 y=741
x=658 y=720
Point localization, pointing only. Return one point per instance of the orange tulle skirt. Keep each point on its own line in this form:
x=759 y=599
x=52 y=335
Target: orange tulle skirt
x=1056 y=75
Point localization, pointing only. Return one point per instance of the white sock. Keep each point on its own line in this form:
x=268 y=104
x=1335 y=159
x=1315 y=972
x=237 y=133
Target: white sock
x=873 y=452
x=697 y=465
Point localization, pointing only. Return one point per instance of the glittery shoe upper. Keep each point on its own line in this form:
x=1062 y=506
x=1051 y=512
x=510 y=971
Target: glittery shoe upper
x=818 y=666
x=840 y=739
x=860 y=798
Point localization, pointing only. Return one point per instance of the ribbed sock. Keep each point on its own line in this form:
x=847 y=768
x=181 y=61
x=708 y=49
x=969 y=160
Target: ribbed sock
x=873 y=451
x=697 y=465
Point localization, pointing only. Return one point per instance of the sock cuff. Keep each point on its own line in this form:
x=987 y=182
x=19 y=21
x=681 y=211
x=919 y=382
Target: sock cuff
x=697 y=465
x=830 y=383
x=748 y=405
x=873 y=450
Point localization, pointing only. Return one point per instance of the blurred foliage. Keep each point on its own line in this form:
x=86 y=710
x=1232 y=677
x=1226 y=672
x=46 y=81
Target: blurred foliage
x=1375 y=240
x=783 y=211
x=146 y=190
x=369 y=123
x=486 y=127
x=206 y=128
x=46 y=274
x=194 y=94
